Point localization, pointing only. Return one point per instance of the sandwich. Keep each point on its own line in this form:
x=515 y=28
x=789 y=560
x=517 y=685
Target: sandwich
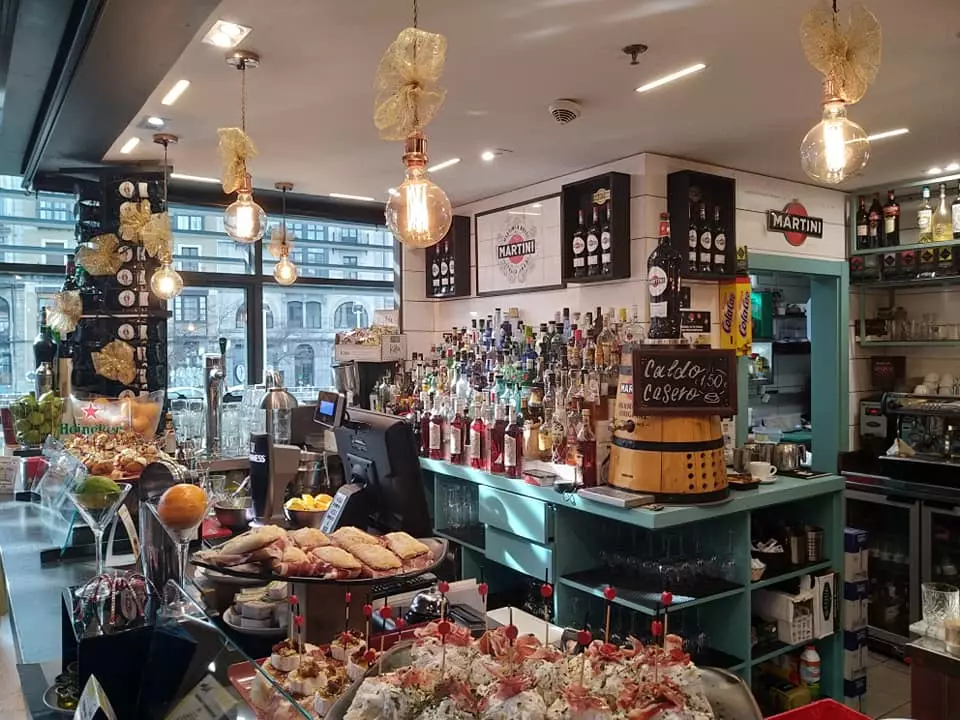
x=348 y=537
x=308 y=538
x=335 y=563
x=250 y=546
x=377 y=561
x=412 y=553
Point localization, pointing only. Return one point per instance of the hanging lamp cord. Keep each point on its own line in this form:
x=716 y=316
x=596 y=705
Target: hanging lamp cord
x=416 y=14
x=243 y=95
x=168 y=251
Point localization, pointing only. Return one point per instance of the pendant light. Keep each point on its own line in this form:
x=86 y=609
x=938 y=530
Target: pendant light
x=244 y=220
x=418 y=212
x=284 y=272
x=836 y=147
x=166 y=282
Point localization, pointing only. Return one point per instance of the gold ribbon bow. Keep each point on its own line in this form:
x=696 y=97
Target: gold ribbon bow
x=99 y=256
x=66 y=311
x=850 y=56
x=115 y=362
x=235 y=148
x=279 y=238
x=156 y=238
x=407 y=94
x=133 y=217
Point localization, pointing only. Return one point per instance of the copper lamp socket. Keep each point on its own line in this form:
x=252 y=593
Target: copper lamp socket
x=415 y=149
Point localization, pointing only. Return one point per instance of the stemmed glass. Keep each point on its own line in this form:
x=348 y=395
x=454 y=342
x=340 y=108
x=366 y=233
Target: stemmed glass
x=97 y=508
x=181 y=530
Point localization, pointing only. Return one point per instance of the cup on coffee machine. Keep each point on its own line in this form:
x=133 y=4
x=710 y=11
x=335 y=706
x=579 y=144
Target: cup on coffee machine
x=762 y=471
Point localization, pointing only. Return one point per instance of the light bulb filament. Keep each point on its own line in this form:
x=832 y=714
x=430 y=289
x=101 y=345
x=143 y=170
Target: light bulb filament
x=418 y=214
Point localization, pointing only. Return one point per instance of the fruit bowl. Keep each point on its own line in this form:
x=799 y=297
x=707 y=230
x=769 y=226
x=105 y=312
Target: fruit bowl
x=34 y=420
x=304 y=518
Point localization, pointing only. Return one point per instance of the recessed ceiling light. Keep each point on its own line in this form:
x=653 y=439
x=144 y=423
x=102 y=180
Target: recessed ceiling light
x=175 y=92
x=671 y=77
x=156 y=121
x=537 y=205
x=488 y=155
x=887 y=134
x=193 y=178
x=129 y=145
x=444 y=164
x=934 y=171
x=225 y=34
x=952 y=167
x=343 y=196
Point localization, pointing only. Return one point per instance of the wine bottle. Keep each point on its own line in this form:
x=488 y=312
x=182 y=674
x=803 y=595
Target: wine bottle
x=862 y=221
x=663 y=285
x=719 y=243
x=579 y=246
x=706 y=241
x=693 y=240
x=891 y=221
x=593 y=245
x=874 y=215
x=606 y=243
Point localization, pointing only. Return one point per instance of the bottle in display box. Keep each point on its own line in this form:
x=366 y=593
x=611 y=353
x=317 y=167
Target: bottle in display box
x=606 y=240
x=736 y=321
x=705 y=263
x=579 y=245
x=663 y=286
x=593 y=245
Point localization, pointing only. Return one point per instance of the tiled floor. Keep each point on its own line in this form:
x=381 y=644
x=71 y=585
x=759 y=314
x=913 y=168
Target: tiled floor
x=11 y=700
x=888 y=688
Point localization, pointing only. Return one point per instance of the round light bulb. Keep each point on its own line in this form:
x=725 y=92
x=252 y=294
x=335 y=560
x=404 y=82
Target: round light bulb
x=166 y=283
x=836 y=147
x=285 y=272
x=419 y=214
x=244 y=220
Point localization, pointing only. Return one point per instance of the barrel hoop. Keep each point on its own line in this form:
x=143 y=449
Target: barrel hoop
x=648 y=446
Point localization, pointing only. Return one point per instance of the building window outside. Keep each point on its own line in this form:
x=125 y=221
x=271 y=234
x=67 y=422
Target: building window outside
x=241 y=317
x=350 y=315
x=268 y=317
x=185 y=253
x=190 y=309
x=312 y=315
x=303 y=365
x=54 y=258
x=54 y=209
x=295 y=314
x=191 y=223
x=350 y=260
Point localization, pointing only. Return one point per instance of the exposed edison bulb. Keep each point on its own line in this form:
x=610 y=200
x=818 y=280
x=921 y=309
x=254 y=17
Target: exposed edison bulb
x=285 y=272
x=166 y=282
x=244 y=220
x=419 y=213
x=836 y=147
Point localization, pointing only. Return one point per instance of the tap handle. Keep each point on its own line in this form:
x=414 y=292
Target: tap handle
x=223 y=347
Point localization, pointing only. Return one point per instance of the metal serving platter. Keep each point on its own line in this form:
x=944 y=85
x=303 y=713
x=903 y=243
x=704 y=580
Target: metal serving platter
x=729 y=696
x=438 y=549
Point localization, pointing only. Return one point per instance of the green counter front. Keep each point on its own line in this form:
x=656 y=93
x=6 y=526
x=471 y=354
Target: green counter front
x=504 y=526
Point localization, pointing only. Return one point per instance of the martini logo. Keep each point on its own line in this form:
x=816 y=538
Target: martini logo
x=516 y=250
x=794 y=223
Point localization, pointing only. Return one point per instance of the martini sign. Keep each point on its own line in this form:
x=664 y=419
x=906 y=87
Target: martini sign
x=516 y=250
x=794 y=223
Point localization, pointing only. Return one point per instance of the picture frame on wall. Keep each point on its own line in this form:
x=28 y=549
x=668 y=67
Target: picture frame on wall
x=519 y=247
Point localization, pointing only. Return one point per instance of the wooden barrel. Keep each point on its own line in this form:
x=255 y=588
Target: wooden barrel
x=677 y=458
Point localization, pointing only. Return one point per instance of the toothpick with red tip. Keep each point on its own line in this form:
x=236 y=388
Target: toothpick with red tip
x=347 y=597
x=482 y=590
x=367 y=613
x=609 y=593
x=385 y=613
x=444 y=587
x=583 y=638
x=546 y=592
x=444 y=629
x=656 y=629
x=666 y=599
x=298 y=621
x=294 y=601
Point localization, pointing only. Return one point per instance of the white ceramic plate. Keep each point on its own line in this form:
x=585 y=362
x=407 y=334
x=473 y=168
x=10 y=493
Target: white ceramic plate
x=217 y=577
x=234 y=622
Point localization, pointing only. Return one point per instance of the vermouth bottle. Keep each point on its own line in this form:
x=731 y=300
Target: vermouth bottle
x=444 y=267
x=874 y=220
x=476 y=439
x=606 y=245
x=497 y=436
x=693 y=240
x=593 y=245
x=719 y=243
x=435 y=271
x=706 y=242
x=579 y=246
x=862 y=221
x=663 y=284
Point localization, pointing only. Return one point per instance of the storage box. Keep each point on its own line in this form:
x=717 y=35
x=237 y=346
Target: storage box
x=854 y=654
x=824 y=604
x=794 y=613
x=855 y=605
x=391 y=348
x=853 y=690
x=856 y=555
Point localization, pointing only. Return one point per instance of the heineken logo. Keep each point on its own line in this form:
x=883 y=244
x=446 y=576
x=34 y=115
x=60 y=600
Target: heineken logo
x=794 y=223
x=516 y=250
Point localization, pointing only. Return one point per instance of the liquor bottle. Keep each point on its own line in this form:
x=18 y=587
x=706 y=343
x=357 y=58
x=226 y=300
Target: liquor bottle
x=497 y=436
x=631 y=331
x=693 y=239
x=587 y=449
x=558 y=439
x=593 y=244
x=719 y=243
x=476 y=438
x=513 y=446
x=571 y=443
x=435 y=270
x=444 y=267
x=545 y=435
x=425 y=424
x=955 y=213
x=874 y=218
x=663 y=284
x=942 y=221
x=579 y=245
x=925 y=218
x=457 y=427
x=891 y=221
x=451 y=272
x=44 y=349
x=706 y=241
x=862 y=221
x=606 y=244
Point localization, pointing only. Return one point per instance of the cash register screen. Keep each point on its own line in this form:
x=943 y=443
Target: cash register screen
x=379 y=452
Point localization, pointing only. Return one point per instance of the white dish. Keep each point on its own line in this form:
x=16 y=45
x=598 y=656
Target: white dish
x=768 y=481
x=214 y=576
x=234 y=622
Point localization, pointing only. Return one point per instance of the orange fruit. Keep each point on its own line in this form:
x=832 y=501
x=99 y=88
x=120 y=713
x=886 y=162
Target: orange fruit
x=182 y=506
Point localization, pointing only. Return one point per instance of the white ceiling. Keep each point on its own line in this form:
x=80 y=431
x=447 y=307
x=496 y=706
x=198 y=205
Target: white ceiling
x=311 y=102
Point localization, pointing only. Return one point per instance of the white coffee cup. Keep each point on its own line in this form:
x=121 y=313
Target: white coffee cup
x=761 y=471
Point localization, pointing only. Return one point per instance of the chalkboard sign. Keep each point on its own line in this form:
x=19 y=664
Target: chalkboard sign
x=684 y=381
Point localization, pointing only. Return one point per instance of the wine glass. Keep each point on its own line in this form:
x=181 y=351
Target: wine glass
x=181 y=529
x=97 y=506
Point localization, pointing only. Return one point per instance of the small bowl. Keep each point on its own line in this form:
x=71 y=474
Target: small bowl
x=304 y=518
x=234 y=513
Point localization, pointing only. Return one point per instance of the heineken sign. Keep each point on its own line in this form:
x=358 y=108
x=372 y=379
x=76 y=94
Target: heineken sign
x=794 y=223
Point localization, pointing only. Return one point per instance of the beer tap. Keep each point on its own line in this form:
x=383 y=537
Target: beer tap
x=215 y=373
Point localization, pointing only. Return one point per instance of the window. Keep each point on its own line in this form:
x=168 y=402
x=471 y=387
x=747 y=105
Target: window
x=4 y=322
x=268 y=317
x=241 y=317
x=190 y=308
x=313 y=315
x=303 y=365
x=200 y=319
x=54 y=209
x=350 y=315
x=350 y=260
x=188 y=251
x=193 y=223
x=54 y=258
x=6 y=370
x=295 y=314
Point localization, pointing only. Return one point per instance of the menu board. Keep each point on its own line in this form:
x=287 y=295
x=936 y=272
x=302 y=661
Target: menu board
x=684 y=381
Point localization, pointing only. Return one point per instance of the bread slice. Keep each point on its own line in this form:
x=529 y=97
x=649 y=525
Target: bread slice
x=404 y=546
x=252 y=540
x=339 y=563
x=308 y=538
x=377 y=561
x=347 y=537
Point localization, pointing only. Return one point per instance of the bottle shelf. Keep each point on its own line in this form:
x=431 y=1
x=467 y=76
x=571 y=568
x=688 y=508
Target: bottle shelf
x=906 y=284
x=901 y=248
x=909 y=343
x=773 y=649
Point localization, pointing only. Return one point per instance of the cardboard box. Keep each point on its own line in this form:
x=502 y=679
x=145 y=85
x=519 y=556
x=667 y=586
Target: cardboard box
x=856 y=555
x=855 y=605
x=736 y=320
x=824 y=604
x=854 y=654
x=390 y=349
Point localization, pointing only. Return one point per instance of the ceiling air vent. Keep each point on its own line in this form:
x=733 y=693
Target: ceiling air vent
x=565 y=111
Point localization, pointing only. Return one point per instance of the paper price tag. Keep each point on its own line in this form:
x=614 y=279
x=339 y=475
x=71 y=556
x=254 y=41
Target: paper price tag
x=92 y=699
x=209 y=700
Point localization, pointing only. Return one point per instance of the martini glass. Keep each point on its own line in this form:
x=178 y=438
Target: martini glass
x=98 y=508
x=181 y=534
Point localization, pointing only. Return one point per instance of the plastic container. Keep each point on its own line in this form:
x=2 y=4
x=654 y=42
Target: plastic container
x=810 y=670
x=821 y=710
